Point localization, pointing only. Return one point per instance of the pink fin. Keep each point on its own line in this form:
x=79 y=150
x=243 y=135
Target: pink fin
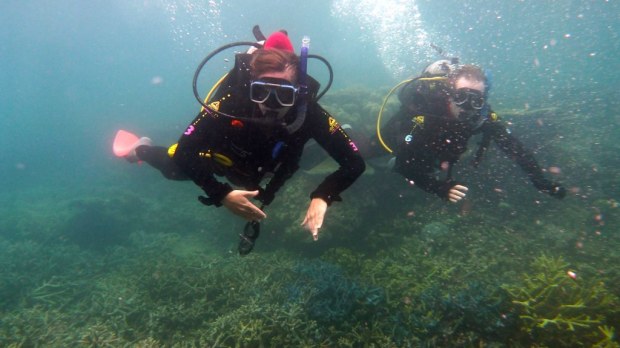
x=123 y=143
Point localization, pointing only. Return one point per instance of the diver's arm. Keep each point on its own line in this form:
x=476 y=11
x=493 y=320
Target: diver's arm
x=194 y=141
x=415 y=162
x=514 y=149
x=422 y=176
x=330 y=135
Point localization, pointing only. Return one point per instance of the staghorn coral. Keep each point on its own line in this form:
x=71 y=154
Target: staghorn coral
x=258 y=324
x=99 y=336
x=557 y=310
x=39 y=327
x=327 y=295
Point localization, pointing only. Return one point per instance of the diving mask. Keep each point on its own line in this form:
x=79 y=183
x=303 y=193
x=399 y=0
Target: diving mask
x=273 y=92
x=468 y=99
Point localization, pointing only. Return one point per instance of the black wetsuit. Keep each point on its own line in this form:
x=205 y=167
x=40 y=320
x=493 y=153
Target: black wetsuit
x=429 y=143
x=249 y=151
x=246 y=153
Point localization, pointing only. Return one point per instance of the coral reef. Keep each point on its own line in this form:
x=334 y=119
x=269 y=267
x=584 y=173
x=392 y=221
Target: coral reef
x=143 y=265
x=556 y=307
x=327 y=295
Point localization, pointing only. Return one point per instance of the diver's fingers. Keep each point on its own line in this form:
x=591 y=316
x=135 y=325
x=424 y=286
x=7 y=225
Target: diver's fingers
x=250 y=194
x=249 y=212
x=257 y=213
x=238 y=203
x=311 y=226
x=457 y=193
x=314 y=217
x=460 y=188
x=314 y=231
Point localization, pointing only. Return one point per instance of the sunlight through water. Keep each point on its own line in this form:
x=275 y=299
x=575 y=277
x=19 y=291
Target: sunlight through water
x=195 y=24
x=395 y=27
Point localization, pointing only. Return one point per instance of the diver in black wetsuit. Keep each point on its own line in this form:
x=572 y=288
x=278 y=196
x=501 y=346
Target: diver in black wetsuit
x=263 y=144
x=440 y=111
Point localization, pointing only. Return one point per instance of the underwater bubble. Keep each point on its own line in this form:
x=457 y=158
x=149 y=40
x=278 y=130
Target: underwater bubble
x=395 y=27
x=194 y=24
x=157 y=80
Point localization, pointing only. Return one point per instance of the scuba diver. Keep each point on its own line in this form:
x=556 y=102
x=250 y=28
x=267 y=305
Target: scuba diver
x=251 y=131
x=440 y=111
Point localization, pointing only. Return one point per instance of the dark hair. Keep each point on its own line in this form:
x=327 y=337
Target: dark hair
x=272 y=60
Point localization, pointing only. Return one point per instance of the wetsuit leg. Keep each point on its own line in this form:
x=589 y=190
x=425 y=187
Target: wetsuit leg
x=157 y=157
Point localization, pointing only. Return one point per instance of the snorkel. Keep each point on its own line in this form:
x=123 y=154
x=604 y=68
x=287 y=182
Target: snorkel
x=303 y=87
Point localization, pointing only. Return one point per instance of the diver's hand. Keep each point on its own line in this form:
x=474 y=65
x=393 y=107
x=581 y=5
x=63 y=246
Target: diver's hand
x=314 y=217
x=238 y=202
x=456 y=193
x=558 y=191
x=551 y=188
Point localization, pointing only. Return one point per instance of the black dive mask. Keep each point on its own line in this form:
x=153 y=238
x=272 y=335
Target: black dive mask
x=468 y=99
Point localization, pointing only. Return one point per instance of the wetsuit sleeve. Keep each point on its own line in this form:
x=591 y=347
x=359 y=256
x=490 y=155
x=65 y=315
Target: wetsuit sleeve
x=514 y=149
x=330 y=135
x=416 y=164
x=189 y=155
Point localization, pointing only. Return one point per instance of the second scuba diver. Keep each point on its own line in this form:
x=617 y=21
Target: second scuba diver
x=440 y=111
x=253 y=131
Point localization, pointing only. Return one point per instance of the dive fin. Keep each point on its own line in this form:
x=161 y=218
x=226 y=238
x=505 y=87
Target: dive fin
x=124 y=142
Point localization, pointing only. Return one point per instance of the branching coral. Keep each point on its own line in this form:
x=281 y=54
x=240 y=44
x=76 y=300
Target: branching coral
x=556 y=309
x=327 y=295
